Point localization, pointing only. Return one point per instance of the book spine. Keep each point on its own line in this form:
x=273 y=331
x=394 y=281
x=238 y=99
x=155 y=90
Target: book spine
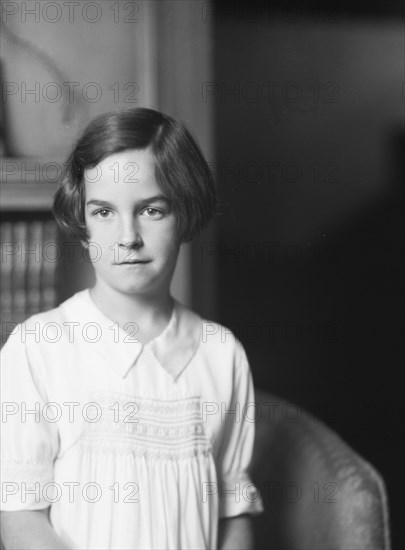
x=19 y=269
x=51 y=256
x=6 y=290
x=35 y=263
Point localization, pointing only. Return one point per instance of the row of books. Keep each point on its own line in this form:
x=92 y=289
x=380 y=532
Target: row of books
x=29 y=258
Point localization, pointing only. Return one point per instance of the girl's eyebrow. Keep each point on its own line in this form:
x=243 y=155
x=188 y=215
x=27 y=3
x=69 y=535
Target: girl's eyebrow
x=148 y=200
x=97 y=203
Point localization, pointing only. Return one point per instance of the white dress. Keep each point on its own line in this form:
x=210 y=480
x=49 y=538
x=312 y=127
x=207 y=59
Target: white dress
x=132 y=446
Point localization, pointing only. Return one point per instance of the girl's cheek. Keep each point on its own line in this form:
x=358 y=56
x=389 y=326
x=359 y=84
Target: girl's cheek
x=100 y=229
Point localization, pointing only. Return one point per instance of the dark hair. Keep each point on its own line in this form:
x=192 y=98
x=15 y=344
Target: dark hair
x=180 y=169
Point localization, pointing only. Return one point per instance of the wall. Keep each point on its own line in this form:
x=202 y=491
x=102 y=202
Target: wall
x=309 y=144
x=65 y=63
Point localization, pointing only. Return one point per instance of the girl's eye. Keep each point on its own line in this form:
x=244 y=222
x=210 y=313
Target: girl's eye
x=153 y=213
x=103 y=213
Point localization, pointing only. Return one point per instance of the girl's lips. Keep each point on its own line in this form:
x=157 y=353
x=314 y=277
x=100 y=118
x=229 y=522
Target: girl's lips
x=133 y=262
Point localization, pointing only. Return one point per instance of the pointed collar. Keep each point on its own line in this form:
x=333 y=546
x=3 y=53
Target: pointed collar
x=176 y=345
x=173 y=348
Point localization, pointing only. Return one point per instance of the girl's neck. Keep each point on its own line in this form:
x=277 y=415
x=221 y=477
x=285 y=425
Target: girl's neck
x=150 y=313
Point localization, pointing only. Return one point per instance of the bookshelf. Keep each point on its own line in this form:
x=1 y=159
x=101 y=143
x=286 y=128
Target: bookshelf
x=28 y=185
x=30 y=240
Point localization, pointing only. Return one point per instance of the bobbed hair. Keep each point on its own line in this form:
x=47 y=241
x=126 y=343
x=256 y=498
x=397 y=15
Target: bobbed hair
x=180 y=168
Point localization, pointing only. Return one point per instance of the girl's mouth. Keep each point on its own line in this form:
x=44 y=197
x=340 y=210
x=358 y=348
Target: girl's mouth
x=133 y=262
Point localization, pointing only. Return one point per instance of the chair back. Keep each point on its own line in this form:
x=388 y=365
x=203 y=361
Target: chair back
x=318 y=493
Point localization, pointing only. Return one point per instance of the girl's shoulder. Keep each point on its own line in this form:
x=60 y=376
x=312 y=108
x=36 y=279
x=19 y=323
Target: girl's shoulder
x=207 y=331
x=216 y=342
x=46 y=326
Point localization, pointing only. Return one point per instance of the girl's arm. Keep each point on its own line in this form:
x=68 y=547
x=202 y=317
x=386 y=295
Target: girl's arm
x=29 y=530
x=235 y=533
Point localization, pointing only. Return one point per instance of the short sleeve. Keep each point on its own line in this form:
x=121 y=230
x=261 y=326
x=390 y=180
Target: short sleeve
x=237 y=493
x=29 y=439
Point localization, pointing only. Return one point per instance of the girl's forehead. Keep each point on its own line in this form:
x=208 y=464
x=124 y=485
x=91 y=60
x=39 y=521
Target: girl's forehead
x=134 y=166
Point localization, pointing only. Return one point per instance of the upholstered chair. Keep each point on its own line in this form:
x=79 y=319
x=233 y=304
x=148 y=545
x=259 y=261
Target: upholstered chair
x=318 y=493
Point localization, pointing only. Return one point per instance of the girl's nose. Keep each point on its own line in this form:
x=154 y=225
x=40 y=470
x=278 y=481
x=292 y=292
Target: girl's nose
x=130 y=234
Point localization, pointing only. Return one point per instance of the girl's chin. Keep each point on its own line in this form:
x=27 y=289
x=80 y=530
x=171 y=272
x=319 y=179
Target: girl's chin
x=133 y=282
x=128 y=288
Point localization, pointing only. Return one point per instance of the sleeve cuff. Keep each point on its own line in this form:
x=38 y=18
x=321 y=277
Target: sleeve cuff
x=239 y=496
x=26 y=486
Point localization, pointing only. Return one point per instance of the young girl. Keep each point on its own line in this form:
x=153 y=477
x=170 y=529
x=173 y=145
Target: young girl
x=125 y=421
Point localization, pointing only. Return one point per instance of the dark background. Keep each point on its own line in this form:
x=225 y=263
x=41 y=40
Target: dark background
x=311 y=263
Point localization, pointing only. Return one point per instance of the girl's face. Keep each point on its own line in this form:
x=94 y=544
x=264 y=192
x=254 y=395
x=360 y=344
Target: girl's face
x=133 y=233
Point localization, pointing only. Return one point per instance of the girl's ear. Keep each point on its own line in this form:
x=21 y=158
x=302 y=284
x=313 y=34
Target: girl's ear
x=84 y=244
